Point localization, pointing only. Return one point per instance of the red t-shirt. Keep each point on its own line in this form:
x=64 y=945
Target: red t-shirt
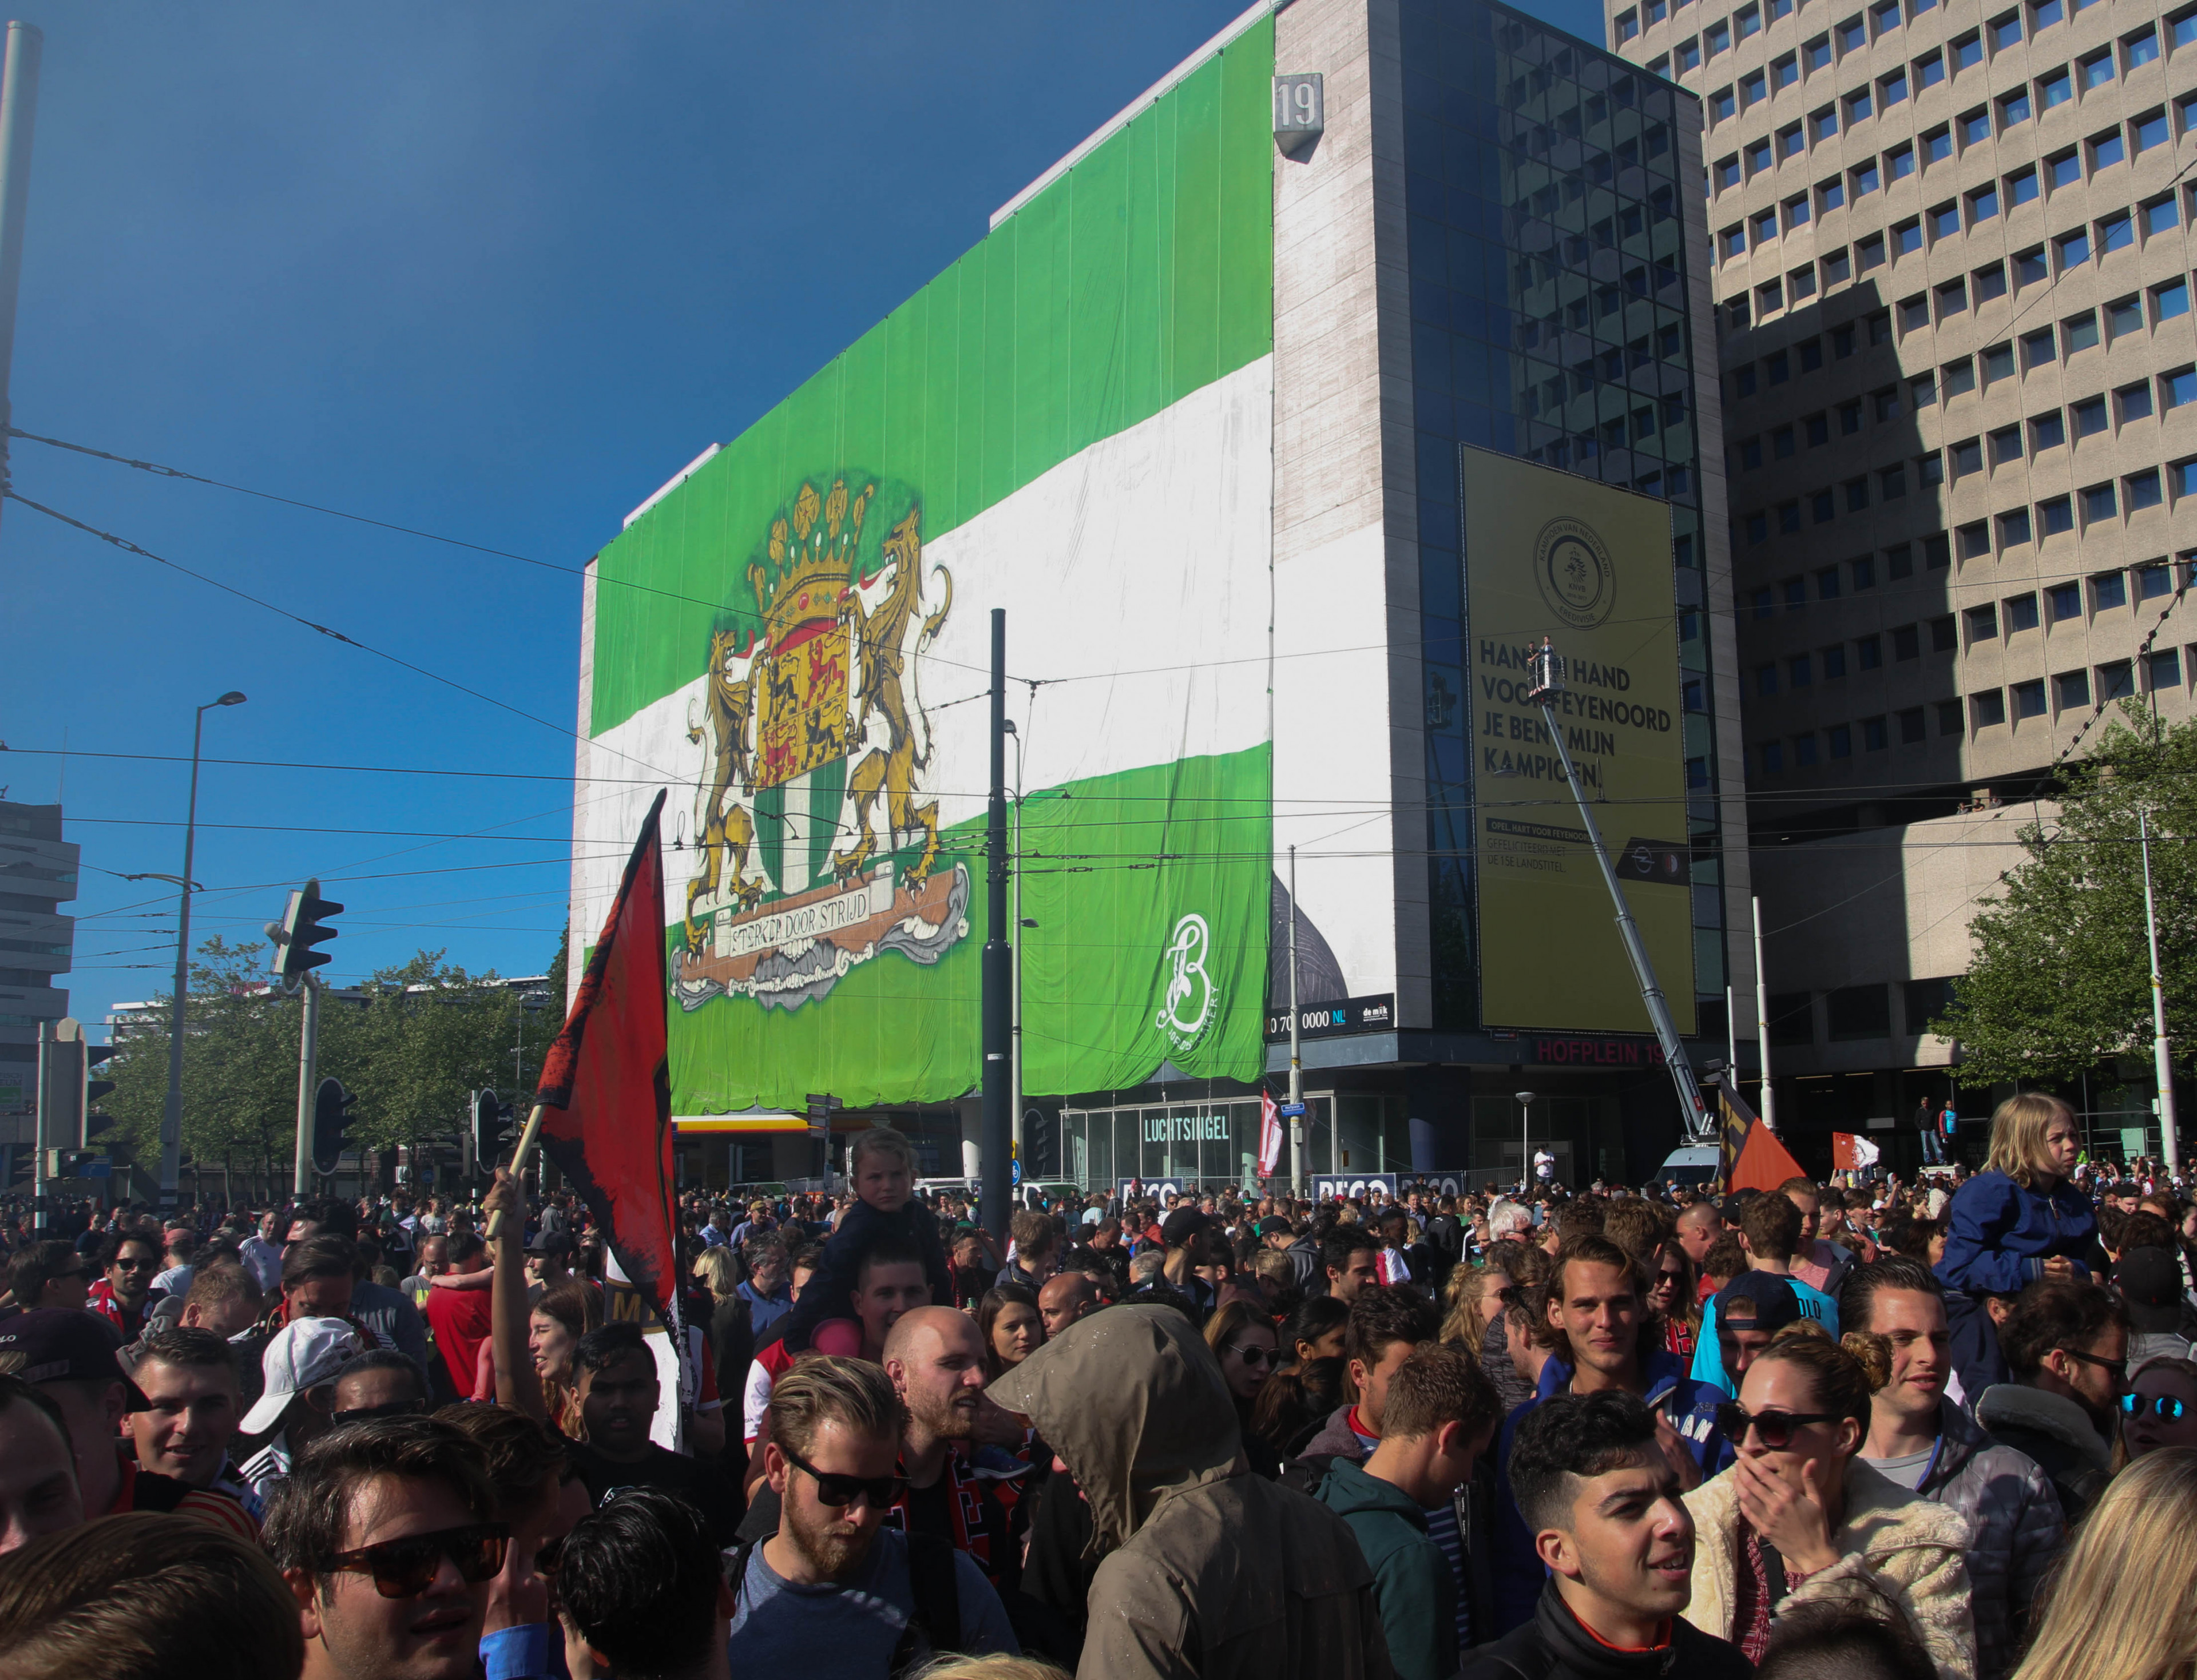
x=459 y=1320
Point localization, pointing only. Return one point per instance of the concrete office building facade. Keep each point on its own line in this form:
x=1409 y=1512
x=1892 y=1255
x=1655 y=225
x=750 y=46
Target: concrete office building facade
x=1952 y=282
x=38 y=876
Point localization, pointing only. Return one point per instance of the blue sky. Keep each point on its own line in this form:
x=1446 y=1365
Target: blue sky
x=491 y=271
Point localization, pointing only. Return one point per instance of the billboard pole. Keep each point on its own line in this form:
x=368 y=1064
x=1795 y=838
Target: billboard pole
x=1546 y=685
x=1768 y=1094
x=19 y=111
x=999 y=960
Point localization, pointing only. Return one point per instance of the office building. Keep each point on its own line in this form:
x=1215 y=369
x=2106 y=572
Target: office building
x=1952 y=284
x=38 y=876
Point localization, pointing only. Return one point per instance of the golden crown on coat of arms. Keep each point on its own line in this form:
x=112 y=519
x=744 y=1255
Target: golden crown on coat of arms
x=812 y=558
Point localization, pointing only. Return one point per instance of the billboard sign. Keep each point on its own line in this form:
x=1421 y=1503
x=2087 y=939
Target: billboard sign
x=1073 y=423
x=1589 y=566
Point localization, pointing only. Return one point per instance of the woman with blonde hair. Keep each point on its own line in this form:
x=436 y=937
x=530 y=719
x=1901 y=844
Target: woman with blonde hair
x=2124 y=1603
x=2020 y=1219
x=1800 y=1518
x=1243 y=1340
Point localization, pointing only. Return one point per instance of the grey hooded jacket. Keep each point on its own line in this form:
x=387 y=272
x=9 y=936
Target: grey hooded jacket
x=1208 y=1570
x=2016 y=1530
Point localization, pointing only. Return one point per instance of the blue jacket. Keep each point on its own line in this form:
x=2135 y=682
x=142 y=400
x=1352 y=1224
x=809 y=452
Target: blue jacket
x=1691 y=1407
x=2001 y=1235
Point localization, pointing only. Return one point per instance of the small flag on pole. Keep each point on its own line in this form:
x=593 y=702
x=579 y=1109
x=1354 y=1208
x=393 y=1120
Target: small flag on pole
x=1270 y=1135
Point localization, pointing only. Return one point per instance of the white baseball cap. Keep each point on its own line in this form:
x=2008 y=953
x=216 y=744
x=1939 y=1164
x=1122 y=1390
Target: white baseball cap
x=304 y=1353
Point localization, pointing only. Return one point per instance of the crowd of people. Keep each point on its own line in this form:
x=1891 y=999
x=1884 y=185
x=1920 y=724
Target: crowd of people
x=1817 y=1432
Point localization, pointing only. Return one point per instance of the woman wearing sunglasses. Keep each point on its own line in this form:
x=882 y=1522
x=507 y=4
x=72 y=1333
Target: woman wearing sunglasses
x=2160 y=1407
x=1243 y=1339
x=1800 y=1519
x=1670 y=1293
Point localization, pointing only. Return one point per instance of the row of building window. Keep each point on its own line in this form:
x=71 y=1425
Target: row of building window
x=2096 y=69
x=2084 y=509
x=1946 y=142
x=1985 y=709
x=2117 y=231
x=2039 y=434
x=2122 y=318
x=2062 y=600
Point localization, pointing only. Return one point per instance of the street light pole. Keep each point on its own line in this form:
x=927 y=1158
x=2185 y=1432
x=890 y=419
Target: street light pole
x=172 y=1112
x=2161 y=1053
x=1525 y=1144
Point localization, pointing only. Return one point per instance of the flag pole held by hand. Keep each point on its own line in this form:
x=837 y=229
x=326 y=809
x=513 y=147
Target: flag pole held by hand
x=526 y=1141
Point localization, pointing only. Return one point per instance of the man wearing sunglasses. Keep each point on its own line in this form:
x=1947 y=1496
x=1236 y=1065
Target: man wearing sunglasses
x=385 y=1534
x=48 y=1274
x=1921 y=1439
x=127 y=1266
x=2066 y=1345
x=833 y=1592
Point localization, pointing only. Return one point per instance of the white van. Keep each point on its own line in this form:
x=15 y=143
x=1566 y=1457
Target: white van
x=1695 y=1165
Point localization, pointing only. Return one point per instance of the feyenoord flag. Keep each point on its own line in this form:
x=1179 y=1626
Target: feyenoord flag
x=1270 y=1135
x=1748 y=1155
x=605 y=1091
x=1850 y=1152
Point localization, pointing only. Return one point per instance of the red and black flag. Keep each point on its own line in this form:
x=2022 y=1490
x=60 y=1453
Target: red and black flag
x=1748 y=1155
x=605 y=1091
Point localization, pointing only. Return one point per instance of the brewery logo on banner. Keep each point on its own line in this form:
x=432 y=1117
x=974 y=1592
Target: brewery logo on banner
x=1188 y=996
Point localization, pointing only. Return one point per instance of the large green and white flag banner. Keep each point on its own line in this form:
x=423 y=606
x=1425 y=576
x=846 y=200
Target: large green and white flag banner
x=1072 y=423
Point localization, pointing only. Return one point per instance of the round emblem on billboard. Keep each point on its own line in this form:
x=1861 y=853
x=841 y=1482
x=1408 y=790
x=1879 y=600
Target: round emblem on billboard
x=1574 y=573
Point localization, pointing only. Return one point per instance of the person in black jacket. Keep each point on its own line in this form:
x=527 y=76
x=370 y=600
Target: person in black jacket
x=882 y=1164
x=1603 y=1502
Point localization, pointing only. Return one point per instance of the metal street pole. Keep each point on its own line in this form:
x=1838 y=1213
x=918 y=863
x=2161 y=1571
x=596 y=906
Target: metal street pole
x=1014 y=1023
x=1769 y=1109
x=1693 y=1112
x=171 y=1111
x=309 y=1037
x=2162 y=1056
x=998 y=971
x=19 y=112
x=1297 y=1062
x=41 y=1221
x=1525 y=1144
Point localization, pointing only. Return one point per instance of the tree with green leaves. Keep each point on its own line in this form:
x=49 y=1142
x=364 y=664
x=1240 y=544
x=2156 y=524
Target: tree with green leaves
x=2060 y=981
x=412 y=1045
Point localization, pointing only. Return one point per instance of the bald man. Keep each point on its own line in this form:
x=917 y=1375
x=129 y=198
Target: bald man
x=964 y=1492
x=1064 y=1299
x=1699 y=1227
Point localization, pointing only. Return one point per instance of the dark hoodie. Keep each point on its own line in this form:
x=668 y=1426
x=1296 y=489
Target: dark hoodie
x=1206 y=1568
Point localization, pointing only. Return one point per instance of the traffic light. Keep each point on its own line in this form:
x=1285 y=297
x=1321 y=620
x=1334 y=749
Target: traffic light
x=303 y=928
x=490 y=1132
x=331 y=1106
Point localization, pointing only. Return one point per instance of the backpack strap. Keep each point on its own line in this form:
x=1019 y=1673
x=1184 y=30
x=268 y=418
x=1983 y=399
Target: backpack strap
x=935 y=1619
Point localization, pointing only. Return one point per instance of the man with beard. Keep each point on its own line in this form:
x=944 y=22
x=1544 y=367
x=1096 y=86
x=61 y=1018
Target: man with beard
x=618 y=1392
x=126 y=1264
x=966 y=1494
x=833 y=1592
x=2067 y=1344
x=1598 y=1491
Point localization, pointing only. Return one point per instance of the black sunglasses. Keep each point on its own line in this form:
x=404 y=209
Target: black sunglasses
x=2165 y=1407
x=2119 y=1368
x=387 y=1409
x=405 y=1568
x=837 y=1490
x=1255 y=1357
x=1774 y=1428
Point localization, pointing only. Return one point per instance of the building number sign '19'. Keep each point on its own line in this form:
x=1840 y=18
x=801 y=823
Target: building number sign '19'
x=1300 y=105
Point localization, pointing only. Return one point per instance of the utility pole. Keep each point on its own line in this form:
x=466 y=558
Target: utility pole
x=1015 y=1022
x=2161 y=1054
x=1297 y=1062
x=999 y=961
x=308 y=1033
x=19 y=114
x=1693 y=1114
x=1761 y=1025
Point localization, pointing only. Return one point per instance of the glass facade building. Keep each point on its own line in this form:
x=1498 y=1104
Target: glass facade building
x=1549 y=319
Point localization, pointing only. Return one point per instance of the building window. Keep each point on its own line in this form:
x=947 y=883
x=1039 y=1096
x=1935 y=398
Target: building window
x=2163 y=669
x=1983 y=623
x=1869 y=653
x=2021 y=613
x=2066 y=600
x=2099 y=503
x=2055 y=515
x=1910 y=727
x=1874 y=736
x=1859 y=1012
x=2143 y=491
x=2013 y=528
x=2116 y=681
x=2029 y=698
x=1988 y=707
x=2070 y=690
x=1838 y=737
